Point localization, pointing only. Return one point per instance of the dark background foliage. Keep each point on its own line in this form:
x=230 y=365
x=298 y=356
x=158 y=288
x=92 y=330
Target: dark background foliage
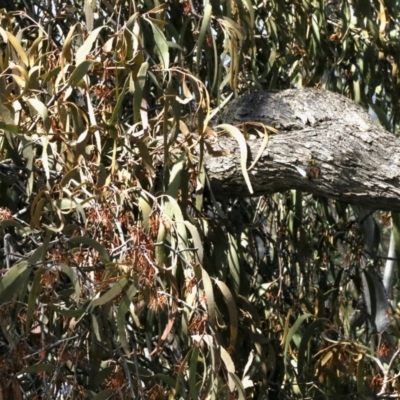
x=122 y=276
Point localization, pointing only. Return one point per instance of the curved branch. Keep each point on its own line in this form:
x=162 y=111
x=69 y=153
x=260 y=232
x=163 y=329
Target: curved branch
x=359 y=161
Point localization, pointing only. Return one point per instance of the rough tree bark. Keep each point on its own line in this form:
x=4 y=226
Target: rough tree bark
x=359 y=161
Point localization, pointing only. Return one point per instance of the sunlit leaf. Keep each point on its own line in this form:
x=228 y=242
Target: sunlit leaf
x=66 y=49
x=139 y=85
x=175 y=177
x=16 y=45
x=80 y=71
x=239 y=386
x=290 y=334
x=161 y=45
x=205 y=26
x=84 y=50
x=230 y=367
x=235 y=133
x=42 y=111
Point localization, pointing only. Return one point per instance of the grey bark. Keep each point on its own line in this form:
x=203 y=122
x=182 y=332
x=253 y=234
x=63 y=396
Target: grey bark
x=358 y=159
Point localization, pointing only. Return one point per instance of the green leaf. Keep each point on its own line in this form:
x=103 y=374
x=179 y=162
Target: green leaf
x=249 y=5
x=139 y=86
x=80 y=71
x=40 y=252
x=292 y=331
x=121 y=320
x=34 y=369
x=86 y=241
x=205 y=24
x=74 y=278
x=65 y=204
x=202 y=274
x=181 y=371
x=115 y=290
x=316 y=28
x=145 y=207
x=302 y=362
x=66 y=50
x=7 y=117
x=16 y=45
x=169 y=380
x=11 y=281
x=235 y=133
x=230 y=367
x=32 y=52
x=361 y=386
x=103 y=395
x=144 y=153
x=28 y=153
x=396 y=236
x=161 y=45
x=117 y=109
x=175 y=176
x=41 y=109
x=239 y=386
x=197 y=242
x=10 y=223
x=193 y=372
x=84 y=50
x=160 y=253
x=176 y=220
x=33 y=295
x=232 y=310
x=71 y=313
x=234 y=263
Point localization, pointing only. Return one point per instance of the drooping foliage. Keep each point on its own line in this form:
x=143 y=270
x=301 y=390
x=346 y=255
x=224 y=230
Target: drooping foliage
x=122 y=276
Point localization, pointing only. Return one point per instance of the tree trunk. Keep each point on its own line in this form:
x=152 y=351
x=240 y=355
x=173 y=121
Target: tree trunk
x=356 y=160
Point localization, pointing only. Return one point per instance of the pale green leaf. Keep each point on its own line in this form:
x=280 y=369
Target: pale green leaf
x=84 y=50
x=41 y=109
x=10 y=282
x=80 y=71
x=235 y=133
